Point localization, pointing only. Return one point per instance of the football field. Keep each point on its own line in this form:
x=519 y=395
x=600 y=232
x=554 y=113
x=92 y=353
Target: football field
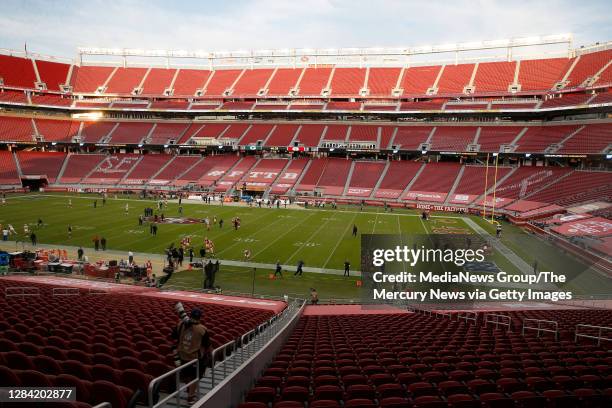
x=321 y=238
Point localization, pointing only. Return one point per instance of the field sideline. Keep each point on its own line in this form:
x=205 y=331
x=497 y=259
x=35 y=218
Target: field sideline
x=318 y=237
x=321 y=238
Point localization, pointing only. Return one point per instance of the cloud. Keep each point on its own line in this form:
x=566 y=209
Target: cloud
x=58 y=27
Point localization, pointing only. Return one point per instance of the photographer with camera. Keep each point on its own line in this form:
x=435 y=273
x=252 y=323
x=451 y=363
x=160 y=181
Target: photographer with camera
x=193 y=342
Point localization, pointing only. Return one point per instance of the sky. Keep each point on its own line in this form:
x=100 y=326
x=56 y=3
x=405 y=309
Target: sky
x=58 y=27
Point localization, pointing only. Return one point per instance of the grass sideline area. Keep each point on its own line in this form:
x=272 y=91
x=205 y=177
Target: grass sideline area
x=239 y=281
x=322 y=238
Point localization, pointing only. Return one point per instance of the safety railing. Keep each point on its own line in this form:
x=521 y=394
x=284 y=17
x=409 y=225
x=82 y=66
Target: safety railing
x=219 y=357
x=262 y=332
x=553 y=327
x=154 y=385
x=65 y=291
x=228 y=390
x=96 y=291
x=246 y=340
x=467 y=316
x=600 y=333
x=21 y=291
x=498 y=320
x=214 y=359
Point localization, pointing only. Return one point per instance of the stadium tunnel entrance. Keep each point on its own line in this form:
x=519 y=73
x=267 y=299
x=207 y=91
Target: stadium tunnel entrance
x=34 y=182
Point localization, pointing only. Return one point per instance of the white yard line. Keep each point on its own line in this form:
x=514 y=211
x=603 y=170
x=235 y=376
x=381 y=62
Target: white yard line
x=282 y=235
x=331 y=254
x=308 y=240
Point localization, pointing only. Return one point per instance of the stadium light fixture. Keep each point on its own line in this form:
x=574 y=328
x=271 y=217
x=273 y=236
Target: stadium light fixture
x=395 y=151
x=495 y=154
x=81 y=144
x=53 y=143
x=165 y=146
x=423 y=151
x=527 y=155
x=88 y=115
x=140 y=145
x=331 y=52
x=608 y=156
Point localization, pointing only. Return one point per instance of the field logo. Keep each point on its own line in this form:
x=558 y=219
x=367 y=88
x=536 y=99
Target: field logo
x=175 y=220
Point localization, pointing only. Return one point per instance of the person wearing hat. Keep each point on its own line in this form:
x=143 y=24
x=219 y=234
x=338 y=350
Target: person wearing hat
x=193 y=343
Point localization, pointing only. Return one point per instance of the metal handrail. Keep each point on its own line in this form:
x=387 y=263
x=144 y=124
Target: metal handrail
x=177 y=392
x=468 y=315
x=599 y=336
x=22 y=290
x=539 y=329
x=213 y=359
x=96 y=291
x=65 y=291
x=248 y=336
x=498 y=320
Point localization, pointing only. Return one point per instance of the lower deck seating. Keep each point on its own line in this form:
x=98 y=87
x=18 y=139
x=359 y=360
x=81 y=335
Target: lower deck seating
x=108 y=346
x=8 y=169
x=334 y=176
x=78 y=166
x=578 y=187
x=41 y=164
x=422 y=361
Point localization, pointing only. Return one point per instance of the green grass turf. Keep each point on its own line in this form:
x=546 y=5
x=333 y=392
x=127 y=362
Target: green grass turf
x=321 y=238
x=239 y=280
x=582 y=279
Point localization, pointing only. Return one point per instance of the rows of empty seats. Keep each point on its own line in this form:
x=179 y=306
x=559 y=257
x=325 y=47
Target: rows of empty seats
x=493 y=76
x=146 y=168
x=334 y=176
x=577 y=187
x=454 y=139
x=16 y=129
x=526 y=180
x=364 y=178
x=587 y=66
x=428 y=182
x=172 y=171
x=538 y=138
x=533 y=75
x=289 y=176
x=491 y=138
x=434 y=182
x=398 y=176
x=46 y=164
x=475 y=181
x=124 y=80
x=112 y=168
x=107 y=346
x=9 y=175
x=163 y=133
x=78 y=166
x=405 y=361
x=588 y=139
x=232 y=175
x=264 y=172
x=130 y=132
